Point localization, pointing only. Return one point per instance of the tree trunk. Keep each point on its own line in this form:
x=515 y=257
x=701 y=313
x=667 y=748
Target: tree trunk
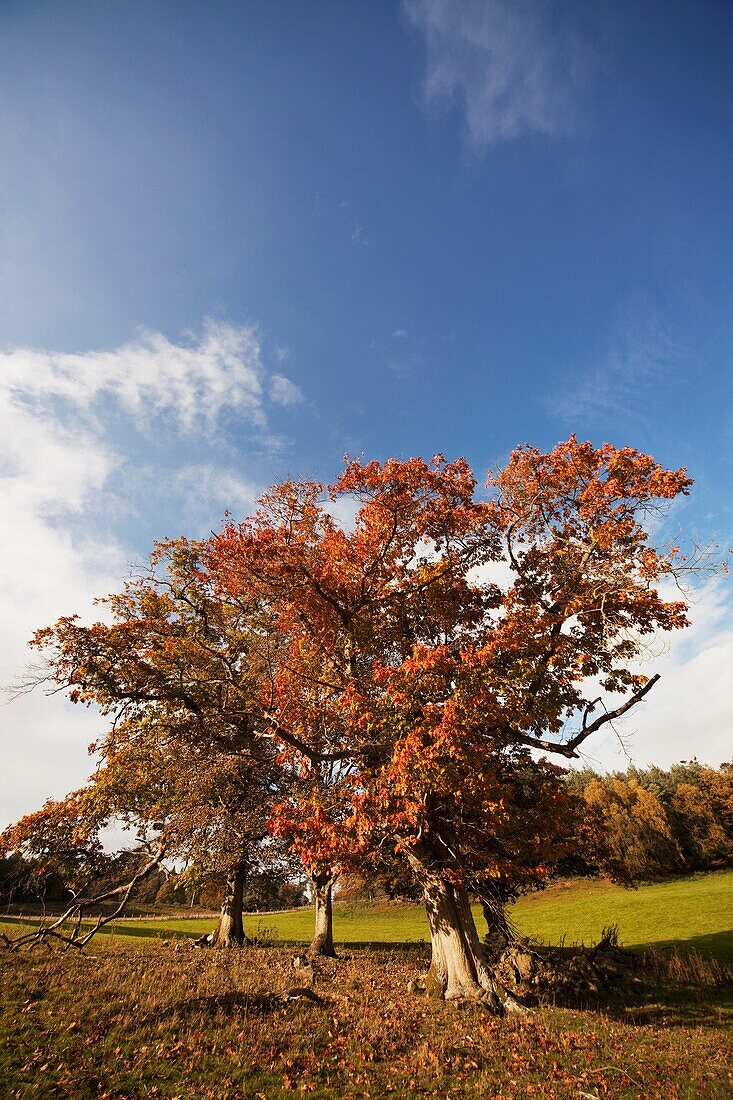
x=230 y=930
x=499 y=935
x=322 y=886
x=458 y=968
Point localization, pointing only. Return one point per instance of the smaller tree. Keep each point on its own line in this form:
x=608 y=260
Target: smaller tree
x=317 y=823
x=700 y=815
x=179 y=672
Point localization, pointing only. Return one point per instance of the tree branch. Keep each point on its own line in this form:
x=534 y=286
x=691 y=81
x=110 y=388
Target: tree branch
x=568 y=749
x=76 y=910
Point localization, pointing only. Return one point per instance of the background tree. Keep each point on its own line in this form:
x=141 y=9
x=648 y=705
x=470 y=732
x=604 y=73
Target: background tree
x=64 y=838
x=654 y=822
x=179 y=673
x=631 y=836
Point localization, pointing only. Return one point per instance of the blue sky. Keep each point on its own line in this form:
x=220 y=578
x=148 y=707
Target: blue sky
x=240 y=239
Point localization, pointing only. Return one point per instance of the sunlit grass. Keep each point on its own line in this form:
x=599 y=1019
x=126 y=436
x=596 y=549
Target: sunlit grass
x=694 y=912
x=697 y=912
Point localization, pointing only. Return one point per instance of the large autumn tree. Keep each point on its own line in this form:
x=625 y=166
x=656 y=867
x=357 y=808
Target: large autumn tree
x=451 y=642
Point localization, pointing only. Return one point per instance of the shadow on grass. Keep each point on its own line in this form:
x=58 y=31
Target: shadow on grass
x=262 y=1003
x=667 y=1007
x=718 y=945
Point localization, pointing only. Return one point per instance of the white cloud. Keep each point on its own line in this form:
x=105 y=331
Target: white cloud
x=344 y=510
x=504 y=62
x=69 y=425
x=46 y=573
x=359 y=237
x=49 y=473
x=690 y=711
x=192 y=382
x=284 y=392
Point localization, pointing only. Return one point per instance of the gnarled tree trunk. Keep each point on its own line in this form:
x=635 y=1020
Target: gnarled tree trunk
x=322 y=887
x=458 y=969
x=230 y=930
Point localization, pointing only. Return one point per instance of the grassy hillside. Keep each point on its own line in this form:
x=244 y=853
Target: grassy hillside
x=697 y=912
x=694 y=912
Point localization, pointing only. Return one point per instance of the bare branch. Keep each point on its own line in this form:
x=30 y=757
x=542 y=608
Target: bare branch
x=76 y=910
x=568 y=749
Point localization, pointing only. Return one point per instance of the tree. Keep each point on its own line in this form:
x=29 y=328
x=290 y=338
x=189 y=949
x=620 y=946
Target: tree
x=442 y=684
x=212 y=805
x=316 y=822
x=179 y=671
x=652 y=822
x=29 y=880
x=631 y=838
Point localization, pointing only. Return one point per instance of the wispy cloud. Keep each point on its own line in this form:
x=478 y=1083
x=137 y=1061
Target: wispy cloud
x=514 y=67
x=285 y=392
x=406 y=367
x=626 y=384
x=206 y=491
x=192 y=381
x=359 y=238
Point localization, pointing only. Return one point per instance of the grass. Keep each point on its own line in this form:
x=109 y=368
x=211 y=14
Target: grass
x=694 y=913
x=136 y=1017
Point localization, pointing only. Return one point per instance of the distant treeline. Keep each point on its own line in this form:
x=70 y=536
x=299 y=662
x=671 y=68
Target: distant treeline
x=24 y=881
x=651 y=823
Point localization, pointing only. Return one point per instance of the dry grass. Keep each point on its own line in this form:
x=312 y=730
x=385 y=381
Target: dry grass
x=687 y=968
x=141 y=1019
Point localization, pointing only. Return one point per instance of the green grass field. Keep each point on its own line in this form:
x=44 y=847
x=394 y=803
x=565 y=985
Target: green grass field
x=693 y=912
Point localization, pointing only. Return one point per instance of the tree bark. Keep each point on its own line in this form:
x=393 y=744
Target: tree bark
x=230 y=930
x=498 y=936
x=322 y=886
x=458 y=968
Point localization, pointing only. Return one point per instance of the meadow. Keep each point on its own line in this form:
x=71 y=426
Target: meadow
x=694 y=912
x=143 y=1014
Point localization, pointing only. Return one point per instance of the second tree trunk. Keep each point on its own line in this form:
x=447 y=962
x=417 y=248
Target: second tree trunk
x=322 y=887
x=230 y=930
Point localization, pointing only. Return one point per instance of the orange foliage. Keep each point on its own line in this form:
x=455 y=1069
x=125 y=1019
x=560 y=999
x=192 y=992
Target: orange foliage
x=403 y=659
